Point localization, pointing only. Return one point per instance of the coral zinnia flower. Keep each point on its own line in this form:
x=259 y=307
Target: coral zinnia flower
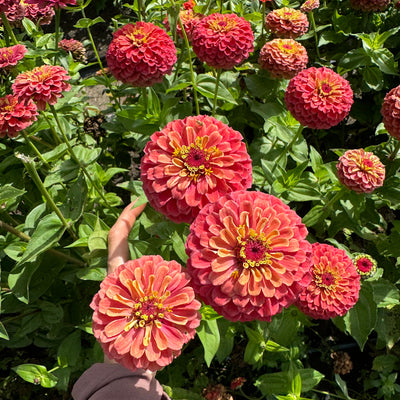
x=42 y=15
x=75 y=47
x=191 y=163
x=5 y=5
x=370 y=5
x=391 y=112
x=248 y=256
x=287 y=22
x=189 y=20
x=319 y=97
x=283 y=58
x=15 y=115
x=360 y=171
x=52 y=3
x=309 y=5
x=365 y=265
x=144 y=312
x=43 y=84
x=335 y=285
x=141 y=54
x=9 y=56
x=15 y=14
x=223 y=40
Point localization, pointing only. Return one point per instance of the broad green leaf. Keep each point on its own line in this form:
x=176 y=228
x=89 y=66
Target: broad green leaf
x=205 y=84
x=354 y=59
x=51 y=313
x=208 y=333
x=182 y=394
x=385 y=362
x=69 y=350
x=87 y=22
x=3 y=332
x=48 y=232
x=386 y=295
x=63 y=172
x=384 y=59
x=343 y=386
x=19 y=280
x=36 y=374
x=178 y=244
x=77 y=194
x=373 y=77
x=8 y=192
x=92 y=274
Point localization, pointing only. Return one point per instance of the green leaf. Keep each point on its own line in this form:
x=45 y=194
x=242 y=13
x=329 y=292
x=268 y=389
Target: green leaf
x=315 y=215
x=48 y=232
x=183 y=394
x=343 y=386
x=30 y=27
x=69 y=350
x=205 y=84
x=51 y=313
x=8 y=192
x=92 y=274
x=373 y=78
x=3 y=332
x=36 y=374
x=386 y=295
x=87 y=22
x=384 y=59
x=19 y=280
x=354 y=59
x=77 y=194
x=208 y=333
x=178 y=244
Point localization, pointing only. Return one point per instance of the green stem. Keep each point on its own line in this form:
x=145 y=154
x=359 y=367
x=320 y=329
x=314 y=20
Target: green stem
x=395 y=151
x=188 y=48
x=141 y=11
x=34 y=148
x=76 y=159
x=8 y=28
x=57 y=32
x=312 y=19
x=288 y=147
x=27 y=238
x=334 y=199
x=145 y=99
x=263 y=19
x=53 y=131
x=219 y=71
x=220 y=6
x=30 y=167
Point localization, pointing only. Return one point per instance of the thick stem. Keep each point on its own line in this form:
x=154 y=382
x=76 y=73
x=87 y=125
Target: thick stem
x=8 y=28
x=30 y=167
x=27 y=238
x=57 y=32
x=312 y=19
x=141 y=11
x=34 y=148
x=219 y=71
x=76 y=159
x=54 y=133
x=395 y=151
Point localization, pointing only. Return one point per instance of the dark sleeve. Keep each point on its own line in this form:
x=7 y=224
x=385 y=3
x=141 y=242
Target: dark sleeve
x=113 y=381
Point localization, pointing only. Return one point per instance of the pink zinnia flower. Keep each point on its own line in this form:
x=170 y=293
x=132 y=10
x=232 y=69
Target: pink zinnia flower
x=223 y=40
x=141 y=54
x=193 y=162
x=370 y=5
x=52 y=3
x=76 y=48
x=43 y=84
x=319 y=98
x=287 y=22
x=42 y=15
x=309 y=5
x=391 y=112
x=9 y=56
x=335 y=285
x=15 y=115
x=189 y=20
x=365 y=265
x=15 y=14
x=283 y=58
x=5 y=5
x=145 y=312
x=360 y=171
x=248 y=256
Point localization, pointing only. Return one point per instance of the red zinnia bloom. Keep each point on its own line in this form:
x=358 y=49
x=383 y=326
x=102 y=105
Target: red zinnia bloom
x=365 y=265
x=319 y=97
x=223 y=40
x=248 y=256
x=360 y=171
x=238 y=382
x=391 y=112
x=43 y=84
x=145 y=312
x=5 y=5
x=52 y=3
x=309 y=5
x=42 y=15
x=76 y=48
x=189 y=20
x=9 y=56
x=370 y=5
x=193 y=162
x=15 y=115
x=287 y=22
x=141 y=54
x=15 y=14
x=283 y=58
x=335 y=285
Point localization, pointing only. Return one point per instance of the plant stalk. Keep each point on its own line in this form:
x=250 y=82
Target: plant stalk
x=54 y=133
x=10 y=32
x=219 y=71
x=57 y=32
x=395 y=151
x=34 y=148
x=312 y=19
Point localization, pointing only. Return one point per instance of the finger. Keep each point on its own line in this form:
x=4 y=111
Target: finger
x=118 y=248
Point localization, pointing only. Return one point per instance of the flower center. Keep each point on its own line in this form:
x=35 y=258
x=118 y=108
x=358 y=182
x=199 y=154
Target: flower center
x=7 y=106
x=253 y=249
x=223 y=25
x=366 y=165
x=364 y=265
x=326 y=280
x=325 y=88
x=138 y=37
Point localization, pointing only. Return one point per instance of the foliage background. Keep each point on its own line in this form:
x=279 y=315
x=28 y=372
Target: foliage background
x=50 y=269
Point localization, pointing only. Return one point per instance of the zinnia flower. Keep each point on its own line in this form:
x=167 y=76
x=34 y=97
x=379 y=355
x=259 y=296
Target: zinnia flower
x=9 y=56
x=5 y=5
x=248 y=256
x=15 y=115
x=391 y=112
x=370 y=5
x=223 y=40
x=42 y=15
x=193 y=162
x=144 y=312
x=15 y=14
x=365 y=265
x=360 y=171
x=319 y=98
x=287 y=22
x=283 y=58
x=75 y=47
x=141 y=54
x=52 y=3
x=189 y=20
x=335 y=285
x=43 y=84
x=309 y=5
